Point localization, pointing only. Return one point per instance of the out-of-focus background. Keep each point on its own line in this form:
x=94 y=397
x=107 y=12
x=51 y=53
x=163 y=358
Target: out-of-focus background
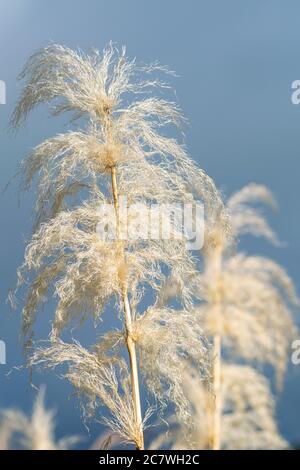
x=236 y=62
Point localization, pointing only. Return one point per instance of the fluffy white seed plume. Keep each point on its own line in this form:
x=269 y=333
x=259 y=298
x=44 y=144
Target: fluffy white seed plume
x=246 y=307
x=248 y=302
x=116 y=133
x=254 y=315
x=122 y=150
x=248 y=299
x=33 y=433
x=247 y=420
x=249 y=411
x=149 y=167
x=101 y=381
x=246 y=215
x=167 y=339
x=82 y=271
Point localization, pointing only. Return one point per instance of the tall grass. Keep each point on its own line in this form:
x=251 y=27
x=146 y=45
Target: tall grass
x=246 y=308
x=119 y=146
x=119 y=150
x=35 y=432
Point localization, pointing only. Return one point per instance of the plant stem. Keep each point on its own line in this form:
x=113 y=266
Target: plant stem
x=130 y=343
x=134 y=371
x=215 y=268
x=217 y=404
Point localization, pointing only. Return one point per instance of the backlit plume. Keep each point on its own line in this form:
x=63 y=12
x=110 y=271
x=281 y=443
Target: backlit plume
x=18 y=431
x=121 y=149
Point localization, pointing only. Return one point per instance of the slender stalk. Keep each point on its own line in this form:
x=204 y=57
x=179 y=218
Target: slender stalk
x=133 y=370
x=130 y=343
x=215 y=262
x=217 y=401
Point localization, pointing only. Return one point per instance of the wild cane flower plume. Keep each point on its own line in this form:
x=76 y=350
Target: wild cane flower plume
x=121 y=151
x=247 y=420
x=254 y=293
x=247 y=309
x=101 y=381
x=33 y=433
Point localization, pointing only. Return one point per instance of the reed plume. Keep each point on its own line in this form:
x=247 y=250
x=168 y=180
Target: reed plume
x=246 y=308
x=18 y=431
x=120 y=151
x=247 y=419
x=248 y=299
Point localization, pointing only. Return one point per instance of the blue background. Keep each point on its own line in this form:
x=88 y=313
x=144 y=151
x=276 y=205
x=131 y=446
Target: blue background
x=236 y=61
